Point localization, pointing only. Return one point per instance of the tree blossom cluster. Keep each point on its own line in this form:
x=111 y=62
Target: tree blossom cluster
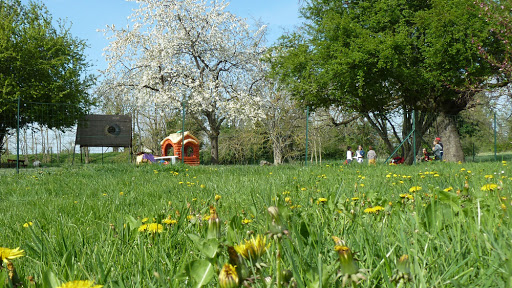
x=188 y=50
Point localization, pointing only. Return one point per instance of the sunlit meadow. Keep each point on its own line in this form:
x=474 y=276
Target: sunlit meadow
x=329 y=225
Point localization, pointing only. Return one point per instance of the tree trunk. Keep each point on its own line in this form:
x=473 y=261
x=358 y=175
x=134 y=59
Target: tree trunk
x=452 y=147
x=278 y=153
x=214 y=141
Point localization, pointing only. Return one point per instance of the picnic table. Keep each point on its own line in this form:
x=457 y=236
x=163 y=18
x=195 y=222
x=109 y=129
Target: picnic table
x=12 y=162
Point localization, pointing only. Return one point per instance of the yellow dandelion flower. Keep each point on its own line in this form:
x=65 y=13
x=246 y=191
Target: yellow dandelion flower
x=489 y=176
x=448 y=189
x=388 y=176
x=415 y=188
x=7 y=254
x=80 y=284
x=169 y=221
x=462 y=169
x=246 y=221
x=217 y=197
x=321 y=200
x=121 y=193
x=207 y=217
x=373 y=209
x=355 y=198
x=202 y=186
x=144 y=220
x=489 y=187
x=503 y=206
x=254 y=248
x=143 y=227
x=348 y=262
x=288 y=200
x=362 y=185
x=155 y=227
x=228 y=278
x=303 y=189
x=28 y=224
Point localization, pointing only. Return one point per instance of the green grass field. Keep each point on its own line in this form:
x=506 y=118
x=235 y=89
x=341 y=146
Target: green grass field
x=93 y=222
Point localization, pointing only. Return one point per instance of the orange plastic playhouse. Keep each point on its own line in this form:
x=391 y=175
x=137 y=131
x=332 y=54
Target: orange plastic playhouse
x=171 y=146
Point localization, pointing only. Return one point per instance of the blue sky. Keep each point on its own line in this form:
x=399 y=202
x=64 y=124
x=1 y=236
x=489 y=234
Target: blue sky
x=87 y=16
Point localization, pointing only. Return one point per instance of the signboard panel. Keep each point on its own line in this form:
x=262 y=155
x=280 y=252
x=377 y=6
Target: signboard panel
x=104 y=131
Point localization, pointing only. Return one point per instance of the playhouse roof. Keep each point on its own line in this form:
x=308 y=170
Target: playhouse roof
x=176 y=138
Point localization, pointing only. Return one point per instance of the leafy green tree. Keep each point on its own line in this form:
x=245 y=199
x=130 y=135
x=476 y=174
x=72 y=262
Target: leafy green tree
x=39 y=63
x=387 y=58
x=499 y=15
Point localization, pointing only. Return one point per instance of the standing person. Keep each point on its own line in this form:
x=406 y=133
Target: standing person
x=372 y=156
x=437 y=151
x=349 y=155
x=359 y=154
x=440 y=144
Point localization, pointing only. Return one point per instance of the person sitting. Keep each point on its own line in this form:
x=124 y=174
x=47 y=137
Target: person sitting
x=145 y=157
x=398 y=160
x=426 y=156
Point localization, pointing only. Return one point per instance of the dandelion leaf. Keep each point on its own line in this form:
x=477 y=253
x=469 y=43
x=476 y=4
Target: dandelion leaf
x=49 y=279
x=207 y=247
x=449 y=198
x=132 y=222
x=437 y=215
x=200 y=272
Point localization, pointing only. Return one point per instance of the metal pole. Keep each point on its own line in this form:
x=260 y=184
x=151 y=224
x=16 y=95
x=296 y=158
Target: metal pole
x=183 y=133
x=18 y=137
x=307 y=128
x=495 y=148
x=414 y=136
x=473 y=151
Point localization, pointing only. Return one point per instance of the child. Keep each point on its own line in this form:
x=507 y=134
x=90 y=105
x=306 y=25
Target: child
x=349 y=155
x=425 y=155
x=437 y=150
x=372 y=156
x=359 y=154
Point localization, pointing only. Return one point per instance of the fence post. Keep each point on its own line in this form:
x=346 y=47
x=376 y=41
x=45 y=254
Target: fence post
x=414 y=136
x=183 y=133
x=18 y=137
x=307 y=126
x=495 y=147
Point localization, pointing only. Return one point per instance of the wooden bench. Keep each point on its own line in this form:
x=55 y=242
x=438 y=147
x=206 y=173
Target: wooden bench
x=12 y=163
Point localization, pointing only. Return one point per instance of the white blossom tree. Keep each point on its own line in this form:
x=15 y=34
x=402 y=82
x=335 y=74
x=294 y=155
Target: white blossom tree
x=193 y=51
